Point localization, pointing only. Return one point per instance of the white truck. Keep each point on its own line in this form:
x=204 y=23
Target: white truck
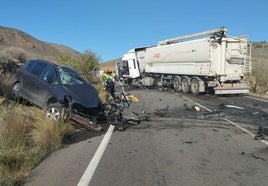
x=196 y=63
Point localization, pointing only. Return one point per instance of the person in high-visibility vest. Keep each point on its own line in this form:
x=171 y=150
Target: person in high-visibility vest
x=108 y=83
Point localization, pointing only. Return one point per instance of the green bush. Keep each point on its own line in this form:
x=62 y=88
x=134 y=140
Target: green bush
x=86 y=67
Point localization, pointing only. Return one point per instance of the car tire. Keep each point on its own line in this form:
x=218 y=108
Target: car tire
x=16 y=88
x=54 y=111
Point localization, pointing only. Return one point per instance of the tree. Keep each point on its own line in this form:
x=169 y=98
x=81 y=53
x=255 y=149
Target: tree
x=86 y=67
x=66 y=59
x=89 y=65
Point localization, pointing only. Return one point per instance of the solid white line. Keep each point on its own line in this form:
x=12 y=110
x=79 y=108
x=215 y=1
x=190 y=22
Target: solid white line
x=234 y=124
x=85 y=179
x=258 y=99
x=245 y=130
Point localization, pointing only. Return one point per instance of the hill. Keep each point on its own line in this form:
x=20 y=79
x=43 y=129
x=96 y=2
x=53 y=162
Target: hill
x=32 y=47
x=109 y=66
x=259 y=52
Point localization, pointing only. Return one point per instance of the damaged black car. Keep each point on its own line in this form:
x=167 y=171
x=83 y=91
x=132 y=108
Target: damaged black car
x=51 y=87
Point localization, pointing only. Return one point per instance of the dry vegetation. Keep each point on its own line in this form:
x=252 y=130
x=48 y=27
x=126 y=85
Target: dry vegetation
x=259 y=77
x=26 y=138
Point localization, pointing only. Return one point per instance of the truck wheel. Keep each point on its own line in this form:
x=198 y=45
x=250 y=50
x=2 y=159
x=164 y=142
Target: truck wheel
x=176 y=84
x=157 y=83
x=195 y=87
x=184 y=86
x=53 y=111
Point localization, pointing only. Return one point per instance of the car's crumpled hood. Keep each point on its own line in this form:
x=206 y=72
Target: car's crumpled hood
x=86 y=95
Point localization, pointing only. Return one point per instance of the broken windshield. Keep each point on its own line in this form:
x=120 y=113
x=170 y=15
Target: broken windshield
x=69 y=78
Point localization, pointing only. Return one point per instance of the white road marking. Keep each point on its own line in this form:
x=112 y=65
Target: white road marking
x=258 y=99
x=85 y=179
x=234 y=124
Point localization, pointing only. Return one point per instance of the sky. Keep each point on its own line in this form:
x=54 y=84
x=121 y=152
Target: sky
x=110 y=28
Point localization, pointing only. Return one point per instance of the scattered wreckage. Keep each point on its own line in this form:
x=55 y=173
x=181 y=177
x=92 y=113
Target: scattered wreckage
x=112 y=111
x=262 y=132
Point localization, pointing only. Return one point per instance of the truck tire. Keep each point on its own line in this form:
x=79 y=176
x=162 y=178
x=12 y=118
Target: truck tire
x=176 y=84
x=184 y=86
x=194 y=86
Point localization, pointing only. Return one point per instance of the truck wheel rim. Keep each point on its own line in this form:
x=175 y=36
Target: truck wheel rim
x=194 y=87
x=184 y=86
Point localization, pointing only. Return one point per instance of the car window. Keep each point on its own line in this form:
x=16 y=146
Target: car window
x=28 y=65
x=38 y=68
x=50 y=75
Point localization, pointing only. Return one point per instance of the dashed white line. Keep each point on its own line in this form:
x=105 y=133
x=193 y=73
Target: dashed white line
x=86 y=178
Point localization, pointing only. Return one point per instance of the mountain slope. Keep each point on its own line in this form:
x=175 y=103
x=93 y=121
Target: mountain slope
x=32 y=47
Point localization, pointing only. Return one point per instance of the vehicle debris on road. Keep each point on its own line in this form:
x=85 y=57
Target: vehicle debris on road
x=192 y=107
x=115 y=108
x=222 y=105
x=262 y=133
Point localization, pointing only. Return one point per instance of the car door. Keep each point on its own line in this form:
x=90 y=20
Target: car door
x=46 y=86
x=25 y=78
x=29 y=77
x=32 y=85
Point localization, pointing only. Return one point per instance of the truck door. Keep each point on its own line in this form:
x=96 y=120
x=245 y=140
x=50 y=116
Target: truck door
x=133 y=66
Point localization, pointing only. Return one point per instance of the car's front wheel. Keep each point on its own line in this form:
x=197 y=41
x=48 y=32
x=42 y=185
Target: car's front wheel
x=53 y=111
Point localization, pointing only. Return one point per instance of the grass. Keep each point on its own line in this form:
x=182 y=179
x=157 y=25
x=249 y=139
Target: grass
x=5 y=84
x=26 y=139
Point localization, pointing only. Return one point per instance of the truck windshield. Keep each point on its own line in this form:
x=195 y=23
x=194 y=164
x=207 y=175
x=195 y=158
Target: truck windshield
x=68 y=78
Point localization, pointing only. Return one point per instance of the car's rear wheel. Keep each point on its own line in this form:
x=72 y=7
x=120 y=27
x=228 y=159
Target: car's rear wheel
x=53 y=111
x=16 y=91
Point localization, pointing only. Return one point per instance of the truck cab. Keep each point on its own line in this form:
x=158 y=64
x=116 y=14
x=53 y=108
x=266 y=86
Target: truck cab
x=129 y=66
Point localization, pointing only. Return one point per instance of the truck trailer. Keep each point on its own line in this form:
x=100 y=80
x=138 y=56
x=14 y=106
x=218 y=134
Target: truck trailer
x=196 y=63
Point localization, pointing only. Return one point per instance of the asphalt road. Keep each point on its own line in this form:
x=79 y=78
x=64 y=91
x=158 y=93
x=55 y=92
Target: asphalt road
x=177 y=146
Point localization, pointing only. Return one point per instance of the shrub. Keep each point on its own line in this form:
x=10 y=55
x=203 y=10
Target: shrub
x=259 y=76
x=47 y=134
x=86 y=67
x=12 y=54
x=26 y=138
x=5 y=85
